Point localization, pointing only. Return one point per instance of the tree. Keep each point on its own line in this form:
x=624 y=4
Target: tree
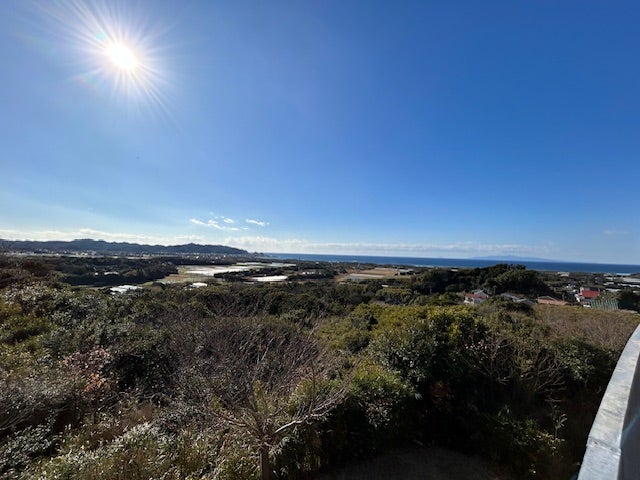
x=629 y=300
x=262 y=379
x=522 y=281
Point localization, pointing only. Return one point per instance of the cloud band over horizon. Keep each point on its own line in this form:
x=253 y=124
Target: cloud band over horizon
x=292 y=245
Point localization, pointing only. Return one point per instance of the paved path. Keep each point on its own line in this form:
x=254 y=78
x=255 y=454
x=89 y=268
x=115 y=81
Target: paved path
x=419 y=463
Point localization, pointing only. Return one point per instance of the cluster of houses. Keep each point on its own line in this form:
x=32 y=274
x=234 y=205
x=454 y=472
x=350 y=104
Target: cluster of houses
x=478 y=296
x=586 y=296
x=593 y=298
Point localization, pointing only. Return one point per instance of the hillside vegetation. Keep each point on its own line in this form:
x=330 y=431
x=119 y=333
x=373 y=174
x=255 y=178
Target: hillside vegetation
x=237 y=381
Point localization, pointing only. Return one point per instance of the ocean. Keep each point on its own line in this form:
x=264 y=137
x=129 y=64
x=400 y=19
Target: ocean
x=462 y=263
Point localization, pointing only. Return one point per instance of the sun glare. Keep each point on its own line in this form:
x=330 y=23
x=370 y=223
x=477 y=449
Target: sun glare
x=118 y=48
x=122 y=57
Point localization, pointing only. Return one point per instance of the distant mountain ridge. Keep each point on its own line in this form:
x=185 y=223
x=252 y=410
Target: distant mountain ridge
x=101 y=246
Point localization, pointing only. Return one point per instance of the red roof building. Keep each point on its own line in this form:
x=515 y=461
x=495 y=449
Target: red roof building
x=475 y=298
x=589 y=293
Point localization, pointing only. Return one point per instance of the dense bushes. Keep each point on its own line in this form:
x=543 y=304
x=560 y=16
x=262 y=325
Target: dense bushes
x=490 y=381
x=225 y=381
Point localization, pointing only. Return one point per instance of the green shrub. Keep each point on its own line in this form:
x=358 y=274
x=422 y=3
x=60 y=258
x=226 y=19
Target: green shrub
x=21 y=447
x=524 y=446
x=141 y=453
x=238 y=460
x=381 y=394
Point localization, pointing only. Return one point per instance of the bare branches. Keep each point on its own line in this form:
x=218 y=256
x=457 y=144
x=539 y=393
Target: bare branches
x=524 y=365
x=261 y=378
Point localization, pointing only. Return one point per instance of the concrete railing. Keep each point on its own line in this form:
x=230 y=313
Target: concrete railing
x=613 y=446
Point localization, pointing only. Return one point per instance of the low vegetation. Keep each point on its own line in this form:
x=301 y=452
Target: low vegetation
x=237 y=381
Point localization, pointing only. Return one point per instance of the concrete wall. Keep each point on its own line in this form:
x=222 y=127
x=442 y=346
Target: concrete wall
x=613 y=447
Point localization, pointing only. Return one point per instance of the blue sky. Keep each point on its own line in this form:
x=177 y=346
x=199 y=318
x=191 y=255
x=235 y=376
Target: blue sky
x=442 y=129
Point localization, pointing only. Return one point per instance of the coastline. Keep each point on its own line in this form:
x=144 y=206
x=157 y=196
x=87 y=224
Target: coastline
x=548 y=266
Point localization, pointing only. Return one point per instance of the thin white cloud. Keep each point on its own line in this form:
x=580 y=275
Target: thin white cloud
x=458 y=249
x=291 y=245
x=257 y=222
x=615 y=232
x=216 y=224
x=220 y=222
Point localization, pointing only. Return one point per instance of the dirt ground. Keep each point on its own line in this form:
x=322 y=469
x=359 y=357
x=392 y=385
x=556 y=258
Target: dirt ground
x=419 y=463
x=376 y=273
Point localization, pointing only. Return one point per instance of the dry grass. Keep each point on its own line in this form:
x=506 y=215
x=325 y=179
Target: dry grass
x=376 y=273
x=609 y=330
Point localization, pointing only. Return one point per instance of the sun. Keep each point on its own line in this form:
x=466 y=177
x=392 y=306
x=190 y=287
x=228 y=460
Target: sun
x=122 y=57
x=117 y=49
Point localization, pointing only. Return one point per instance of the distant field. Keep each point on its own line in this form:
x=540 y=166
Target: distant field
x=204 y=273
x=375 y=273
x=199 y=273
